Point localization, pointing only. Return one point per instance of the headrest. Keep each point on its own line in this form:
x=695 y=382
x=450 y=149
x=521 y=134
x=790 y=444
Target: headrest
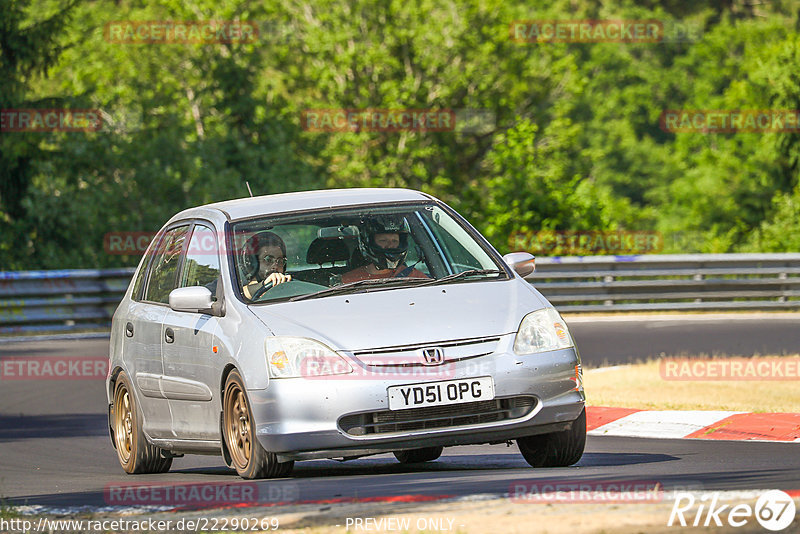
x=327 y=251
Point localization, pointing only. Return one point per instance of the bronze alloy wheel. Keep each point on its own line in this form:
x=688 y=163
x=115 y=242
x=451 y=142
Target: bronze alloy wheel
x=136 y=455
x=123 y=423
x=247 y=455
x=237 y=422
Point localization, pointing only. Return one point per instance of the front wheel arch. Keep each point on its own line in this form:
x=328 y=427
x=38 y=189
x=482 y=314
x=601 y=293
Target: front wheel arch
x=248 y=457
x=226 y=454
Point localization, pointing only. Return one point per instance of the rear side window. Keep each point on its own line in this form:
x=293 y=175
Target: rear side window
x=144 y=266
x=165 y=265
x=137 y=285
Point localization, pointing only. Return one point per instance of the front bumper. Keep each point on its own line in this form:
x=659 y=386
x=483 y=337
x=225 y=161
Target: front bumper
x=299 y=418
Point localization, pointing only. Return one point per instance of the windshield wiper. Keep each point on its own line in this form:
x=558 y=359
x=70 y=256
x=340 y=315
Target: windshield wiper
x=462 y=274
x=382 y=281
x=354 y=285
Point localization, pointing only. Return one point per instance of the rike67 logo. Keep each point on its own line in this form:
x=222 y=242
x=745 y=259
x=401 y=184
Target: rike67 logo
x=774 y=510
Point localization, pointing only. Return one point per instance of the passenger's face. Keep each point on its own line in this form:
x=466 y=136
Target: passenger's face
x=391 y=240
x=270 y=260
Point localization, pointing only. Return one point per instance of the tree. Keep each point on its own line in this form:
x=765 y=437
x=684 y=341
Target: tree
x=29 y=45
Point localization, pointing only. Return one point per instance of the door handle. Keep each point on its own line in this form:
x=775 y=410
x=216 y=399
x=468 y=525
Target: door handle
x=129 y=329
x=169 y=335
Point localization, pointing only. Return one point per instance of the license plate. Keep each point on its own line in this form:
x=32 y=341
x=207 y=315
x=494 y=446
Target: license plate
x=441 y=393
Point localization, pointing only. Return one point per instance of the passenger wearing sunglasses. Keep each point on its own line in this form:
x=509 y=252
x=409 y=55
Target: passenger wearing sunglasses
x=264 y=260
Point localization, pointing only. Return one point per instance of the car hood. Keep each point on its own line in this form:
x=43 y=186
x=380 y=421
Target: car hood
x=406 y=316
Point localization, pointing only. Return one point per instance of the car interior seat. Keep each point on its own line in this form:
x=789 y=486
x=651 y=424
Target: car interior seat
x=323 y=251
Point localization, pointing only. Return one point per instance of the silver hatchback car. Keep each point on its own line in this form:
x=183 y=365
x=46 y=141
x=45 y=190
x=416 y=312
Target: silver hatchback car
x=336 y=324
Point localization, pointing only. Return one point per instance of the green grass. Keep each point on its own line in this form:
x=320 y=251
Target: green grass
x=8 y=512
x=642 y=386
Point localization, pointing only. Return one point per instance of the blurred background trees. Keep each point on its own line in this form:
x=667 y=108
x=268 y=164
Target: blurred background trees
x=575 y=143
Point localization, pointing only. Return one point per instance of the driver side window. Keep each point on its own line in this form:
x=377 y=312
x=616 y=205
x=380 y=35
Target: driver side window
x=202 y=260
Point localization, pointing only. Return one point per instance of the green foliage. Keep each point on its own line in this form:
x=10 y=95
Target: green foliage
x=533 y=184
x=729 y=180
x=29 y=46
x=575 y=144
x=781 y=233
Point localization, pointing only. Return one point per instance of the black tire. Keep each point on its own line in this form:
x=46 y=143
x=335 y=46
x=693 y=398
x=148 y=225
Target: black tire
x=559 y=449
x=248 y=457
x=135 y=454
x=416 y=456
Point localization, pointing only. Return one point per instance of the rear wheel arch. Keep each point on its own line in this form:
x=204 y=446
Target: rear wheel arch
x=110 y=388
x=112 y=382
x=134 y=452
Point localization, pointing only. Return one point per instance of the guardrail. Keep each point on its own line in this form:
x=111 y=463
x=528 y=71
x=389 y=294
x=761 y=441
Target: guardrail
x=81 y=300
x=75 y=300
x=670 y=282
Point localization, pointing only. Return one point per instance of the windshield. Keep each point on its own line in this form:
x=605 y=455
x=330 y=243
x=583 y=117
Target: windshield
x=372 y=248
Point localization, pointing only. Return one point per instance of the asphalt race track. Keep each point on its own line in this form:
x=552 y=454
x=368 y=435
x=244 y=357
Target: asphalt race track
x=55 y=449
x=68 y=471
x=611 y=340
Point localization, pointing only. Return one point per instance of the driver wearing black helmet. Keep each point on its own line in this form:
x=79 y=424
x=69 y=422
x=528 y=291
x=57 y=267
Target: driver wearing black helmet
x=385 y=245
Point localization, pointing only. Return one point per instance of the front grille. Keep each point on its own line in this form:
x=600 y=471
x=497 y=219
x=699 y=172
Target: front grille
x=408 y=355
x=437 y=417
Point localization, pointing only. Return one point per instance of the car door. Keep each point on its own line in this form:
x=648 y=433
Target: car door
x=143 y=331
x=191 y=373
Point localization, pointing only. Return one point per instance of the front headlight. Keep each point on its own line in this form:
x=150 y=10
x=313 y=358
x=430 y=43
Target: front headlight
x=294 y=357
x=541 y=331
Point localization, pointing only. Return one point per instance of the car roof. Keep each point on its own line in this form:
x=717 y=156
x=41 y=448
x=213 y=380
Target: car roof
x=243 y=208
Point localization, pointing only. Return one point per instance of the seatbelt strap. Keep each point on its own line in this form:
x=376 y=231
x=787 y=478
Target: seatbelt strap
x=405 y=272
